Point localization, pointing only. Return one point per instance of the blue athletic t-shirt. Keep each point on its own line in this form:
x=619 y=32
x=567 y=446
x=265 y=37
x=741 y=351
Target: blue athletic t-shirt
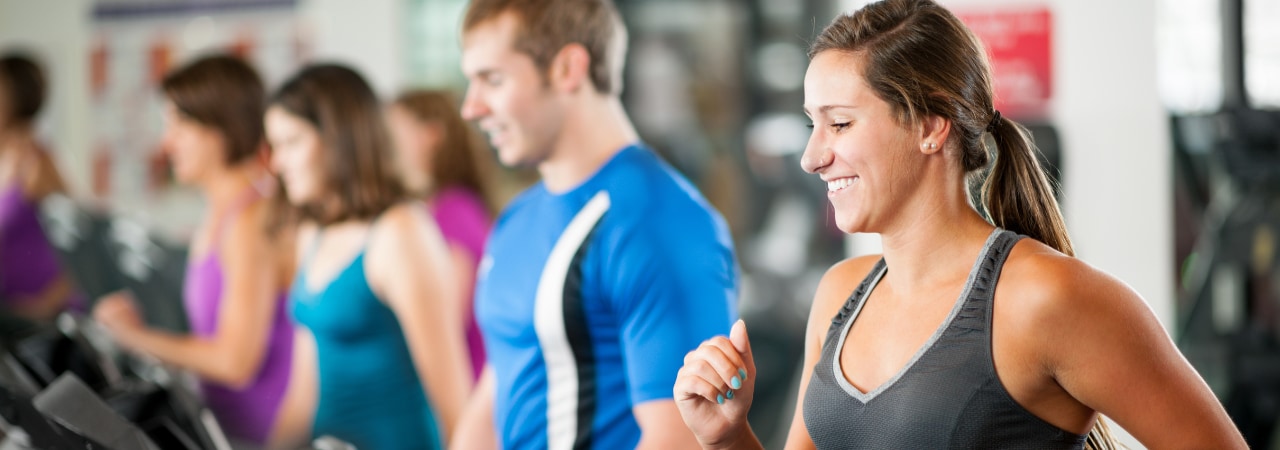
x=588 y=301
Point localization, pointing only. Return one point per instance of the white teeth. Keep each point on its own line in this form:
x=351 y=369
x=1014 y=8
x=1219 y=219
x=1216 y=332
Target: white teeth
x=840 y=183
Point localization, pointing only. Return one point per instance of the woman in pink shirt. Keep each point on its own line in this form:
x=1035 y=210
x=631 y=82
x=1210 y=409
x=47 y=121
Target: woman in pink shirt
x=446 y=163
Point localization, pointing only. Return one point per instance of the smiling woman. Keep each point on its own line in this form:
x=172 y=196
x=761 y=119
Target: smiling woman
x=964 y=333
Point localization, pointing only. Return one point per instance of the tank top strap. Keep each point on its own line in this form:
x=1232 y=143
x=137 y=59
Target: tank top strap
x=373 y=224
x=314 y=245
x=856 y=298
x=238 y=205
x=993 y=261
x=976 y=312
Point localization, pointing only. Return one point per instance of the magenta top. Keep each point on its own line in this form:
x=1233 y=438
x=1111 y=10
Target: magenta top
x=247 y=413
x=464 y=221
x=28 y=263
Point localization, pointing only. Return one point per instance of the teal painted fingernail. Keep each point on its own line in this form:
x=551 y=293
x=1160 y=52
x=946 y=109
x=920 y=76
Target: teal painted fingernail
x=742 y=373
x=719 y=399
x=735 y=383
x=728 y=395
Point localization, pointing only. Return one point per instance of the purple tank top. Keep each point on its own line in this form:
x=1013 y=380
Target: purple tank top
x=464 y=222
x=28 y=263
x=247 y=413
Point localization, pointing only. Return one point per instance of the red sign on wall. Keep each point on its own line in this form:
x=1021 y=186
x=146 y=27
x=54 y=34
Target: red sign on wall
x=1019 y=45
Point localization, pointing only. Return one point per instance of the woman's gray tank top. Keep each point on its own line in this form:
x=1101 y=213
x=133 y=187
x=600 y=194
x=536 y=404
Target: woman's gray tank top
x=948 y=394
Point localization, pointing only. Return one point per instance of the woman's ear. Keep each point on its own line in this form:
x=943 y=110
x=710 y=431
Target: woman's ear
x=934 y=132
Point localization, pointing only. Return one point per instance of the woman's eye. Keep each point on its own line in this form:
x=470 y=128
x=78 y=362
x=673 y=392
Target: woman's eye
x=837 y=126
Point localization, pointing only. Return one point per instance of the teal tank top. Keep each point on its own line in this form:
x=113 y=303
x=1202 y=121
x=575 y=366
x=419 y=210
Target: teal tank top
x=370 y=393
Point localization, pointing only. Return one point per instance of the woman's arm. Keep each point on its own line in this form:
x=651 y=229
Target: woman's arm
x=408 y=267
x=475 y=426
x=702 y=377
x=233 y=355
x=1103 y=345
x=462 y=261
x=297 y=409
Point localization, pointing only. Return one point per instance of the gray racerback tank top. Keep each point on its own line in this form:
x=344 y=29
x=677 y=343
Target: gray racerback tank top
x=948 y=394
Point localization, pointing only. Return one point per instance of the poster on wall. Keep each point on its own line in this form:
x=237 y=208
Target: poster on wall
x=1019 y=44
x=135 y=43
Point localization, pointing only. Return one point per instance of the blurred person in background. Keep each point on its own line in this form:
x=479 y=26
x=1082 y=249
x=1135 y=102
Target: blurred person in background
x=380 y=359
x=596 y=280
x=446 y=163
x=965 y=333
x=240 y=266
x=33 y=285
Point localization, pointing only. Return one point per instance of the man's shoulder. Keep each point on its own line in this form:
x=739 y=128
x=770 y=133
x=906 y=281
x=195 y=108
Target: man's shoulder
x=648 y=191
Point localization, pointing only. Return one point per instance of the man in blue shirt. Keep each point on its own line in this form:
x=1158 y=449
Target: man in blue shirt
x=596 y=281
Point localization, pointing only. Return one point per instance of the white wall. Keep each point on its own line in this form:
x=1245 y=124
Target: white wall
x=1116 y=142
x=64 y=123
x=365 y=34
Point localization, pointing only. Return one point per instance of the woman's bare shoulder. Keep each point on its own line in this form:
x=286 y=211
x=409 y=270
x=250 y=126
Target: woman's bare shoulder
x=1050 y=291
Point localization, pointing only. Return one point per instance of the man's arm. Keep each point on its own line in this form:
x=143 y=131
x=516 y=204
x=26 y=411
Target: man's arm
x=661 y=427
x=674 y=292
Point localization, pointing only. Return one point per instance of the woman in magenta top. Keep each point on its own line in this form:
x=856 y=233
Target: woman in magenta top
x=242 y=340
x=444 y=162
x=32 y=284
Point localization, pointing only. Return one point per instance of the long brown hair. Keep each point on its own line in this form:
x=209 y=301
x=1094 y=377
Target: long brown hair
x=222 y=92
x=923 y=61
x=358 y=163
x=461 y=159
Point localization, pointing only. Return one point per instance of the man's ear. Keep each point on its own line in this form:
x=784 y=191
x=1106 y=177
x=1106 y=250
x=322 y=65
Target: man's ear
x=570 y=68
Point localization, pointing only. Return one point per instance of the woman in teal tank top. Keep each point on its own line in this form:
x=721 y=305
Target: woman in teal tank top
x=379 y=362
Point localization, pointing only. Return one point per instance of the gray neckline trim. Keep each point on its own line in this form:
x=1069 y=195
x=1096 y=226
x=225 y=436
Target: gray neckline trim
x=955 y=309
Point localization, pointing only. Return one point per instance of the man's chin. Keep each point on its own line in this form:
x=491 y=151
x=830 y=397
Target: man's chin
x=513 y=158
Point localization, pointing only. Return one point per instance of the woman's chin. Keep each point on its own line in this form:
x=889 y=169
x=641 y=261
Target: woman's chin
x=297 y=199
x=185 y=176
x=851 y=225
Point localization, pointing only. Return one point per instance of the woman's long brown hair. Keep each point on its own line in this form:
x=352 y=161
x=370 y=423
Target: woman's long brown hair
x=360 y=178
x=462 y=159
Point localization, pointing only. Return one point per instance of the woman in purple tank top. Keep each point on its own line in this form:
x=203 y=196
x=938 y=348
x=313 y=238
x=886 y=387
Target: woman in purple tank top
x=447 y=164
x=242 y=340
x=32 y=284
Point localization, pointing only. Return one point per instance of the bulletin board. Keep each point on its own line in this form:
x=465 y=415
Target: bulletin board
x=134 y=44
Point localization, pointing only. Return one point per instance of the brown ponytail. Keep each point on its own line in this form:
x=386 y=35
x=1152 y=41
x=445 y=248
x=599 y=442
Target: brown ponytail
x=1017 y=193
x=924 y=62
